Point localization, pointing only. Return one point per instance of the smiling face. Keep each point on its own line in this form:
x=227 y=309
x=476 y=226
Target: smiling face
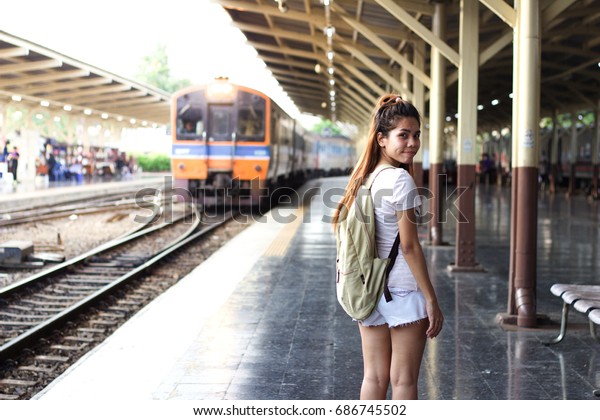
x=401 y=143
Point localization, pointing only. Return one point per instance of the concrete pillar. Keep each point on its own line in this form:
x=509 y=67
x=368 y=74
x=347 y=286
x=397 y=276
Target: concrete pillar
x=467 y=132
x=595 y=151
x=526 y=162
x=419 y=102
x=554 y=150
x=573 y=154
x=3 y=132
x=437 y=110
x=513 y=172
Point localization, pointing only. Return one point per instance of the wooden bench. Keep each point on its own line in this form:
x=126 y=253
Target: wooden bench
x=584 y=299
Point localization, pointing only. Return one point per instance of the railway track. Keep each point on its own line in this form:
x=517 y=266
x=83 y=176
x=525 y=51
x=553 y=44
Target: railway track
x=49 y=320
x=124 y=200
x=30 y=307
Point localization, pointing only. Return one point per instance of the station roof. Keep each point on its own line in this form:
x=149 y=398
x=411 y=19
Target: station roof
x=374 y=39
x=33 y=74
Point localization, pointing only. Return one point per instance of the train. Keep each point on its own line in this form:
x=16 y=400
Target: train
x=232 y=143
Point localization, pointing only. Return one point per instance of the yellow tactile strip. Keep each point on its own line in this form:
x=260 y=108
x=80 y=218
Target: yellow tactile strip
x=280 y=244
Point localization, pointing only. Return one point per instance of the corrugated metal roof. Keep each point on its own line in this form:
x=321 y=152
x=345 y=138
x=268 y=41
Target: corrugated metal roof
x=35 y=74
x=291 y=42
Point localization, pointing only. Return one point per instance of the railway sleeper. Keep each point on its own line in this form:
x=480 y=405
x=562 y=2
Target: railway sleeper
x=91 y=330
x=52 y=358
x=51 y=297
x=79 y=339
x=37 y=303
x=40 y=369
x=21 y=315
x=18 y=323
x=62 y=347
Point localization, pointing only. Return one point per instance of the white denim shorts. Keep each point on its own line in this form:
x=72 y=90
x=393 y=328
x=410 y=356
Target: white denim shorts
x=406 y=307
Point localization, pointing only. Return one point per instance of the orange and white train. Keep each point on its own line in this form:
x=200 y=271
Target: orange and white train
x=234 y=143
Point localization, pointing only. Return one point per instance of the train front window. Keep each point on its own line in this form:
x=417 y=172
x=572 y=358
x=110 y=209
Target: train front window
x=219 y=128
x=250 y=117
x=190 y=121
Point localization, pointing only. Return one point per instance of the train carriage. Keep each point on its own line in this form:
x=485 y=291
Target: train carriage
x=229 y=141
x=234 y=144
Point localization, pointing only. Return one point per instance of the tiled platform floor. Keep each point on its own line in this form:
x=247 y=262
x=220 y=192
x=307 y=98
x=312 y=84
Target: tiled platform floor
x=281 y=334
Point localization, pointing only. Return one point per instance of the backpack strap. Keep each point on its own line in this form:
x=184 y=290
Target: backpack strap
x=392 y=257
x=371 y=178
x=394 y=251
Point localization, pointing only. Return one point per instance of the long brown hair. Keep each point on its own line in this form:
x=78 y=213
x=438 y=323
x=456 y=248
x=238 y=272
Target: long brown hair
x=388 y=110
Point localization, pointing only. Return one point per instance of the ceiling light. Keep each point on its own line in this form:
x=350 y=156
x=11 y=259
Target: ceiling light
x=329 y=30
x=87 y=111
x=330 y=55
x=495 y=102
x=67 y=107
x=45 y=103
x=282 y=5
x=16 y=98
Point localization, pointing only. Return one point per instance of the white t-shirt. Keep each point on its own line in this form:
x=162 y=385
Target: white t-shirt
x=394 y=190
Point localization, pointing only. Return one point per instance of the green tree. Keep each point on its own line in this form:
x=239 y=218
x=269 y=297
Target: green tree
x=154 y=70
x=327 y=128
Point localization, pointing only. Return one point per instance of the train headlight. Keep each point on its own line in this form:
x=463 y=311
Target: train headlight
x=220 y=90
x=258 y=168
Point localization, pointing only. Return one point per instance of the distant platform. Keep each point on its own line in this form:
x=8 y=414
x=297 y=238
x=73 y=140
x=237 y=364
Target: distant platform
x=41 y=191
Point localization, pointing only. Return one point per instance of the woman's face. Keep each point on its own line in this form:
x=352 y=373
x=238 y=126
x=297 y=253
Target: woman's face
x=402 y=143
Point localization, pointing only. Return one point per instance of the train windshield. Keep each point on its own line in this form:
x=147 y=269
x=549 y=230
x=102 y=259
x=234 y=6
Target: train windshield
x=251 y=117
x=219 y=126
x=190 y=118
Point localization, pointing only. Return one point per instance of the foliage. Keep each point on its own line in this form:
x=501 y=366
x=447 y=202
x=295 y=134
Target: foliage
x=565 y=120
x=154 y=70
x=154 y=162
x=327 y=128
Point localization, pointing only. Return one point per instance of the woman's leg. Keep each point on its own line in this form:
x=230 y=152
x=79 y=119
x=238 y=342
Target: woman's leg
x=377 y=354
x=408 y=345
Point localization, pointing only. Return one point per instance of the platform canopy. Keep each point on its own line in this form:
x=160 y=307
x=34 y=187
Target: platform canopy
x=39 y=76
x=373 y=41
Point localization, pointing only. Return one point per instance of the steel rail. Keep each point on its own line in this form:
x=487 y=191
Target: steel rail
x=15 y=345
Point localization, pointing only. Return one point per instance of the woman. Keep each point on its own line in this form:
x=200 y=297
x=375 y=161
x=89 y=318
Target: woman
x=394 y=335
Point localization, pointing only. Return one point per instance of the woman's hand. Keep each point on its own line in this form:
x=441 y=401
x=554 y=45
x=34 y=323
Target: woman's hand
x=436 y=319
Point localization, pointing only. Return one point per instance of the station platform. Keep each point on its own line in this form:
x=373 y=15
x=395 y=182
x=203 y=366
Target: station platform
x=39 y=191
x=259 y=319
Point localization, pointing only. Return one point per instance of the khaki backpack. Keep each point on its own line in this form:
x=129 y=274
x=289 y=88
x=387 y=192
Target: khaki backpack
x=361 y=275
